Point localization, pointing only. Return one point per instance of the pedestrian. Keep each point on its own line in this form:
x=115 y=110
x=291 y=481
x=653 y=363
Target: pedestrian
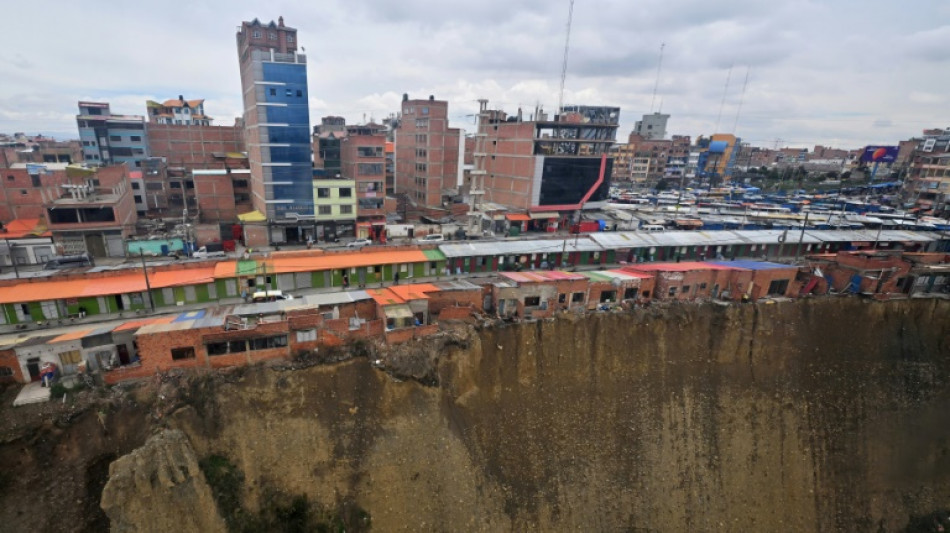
x=396 y=278
x=346 y=281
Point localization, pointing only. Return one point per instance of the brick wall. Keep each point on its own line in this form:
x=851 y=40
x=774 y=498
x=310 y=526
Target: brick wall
x=9 y=359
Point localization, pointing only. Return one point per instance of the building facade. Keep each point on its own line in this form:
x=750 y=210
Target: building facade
x=542 y=165
x=277 y=126
x=363 y=160
x=109 y=139
x=652 y=126
x=927 y=185
x=178 y=112
x=426 y=152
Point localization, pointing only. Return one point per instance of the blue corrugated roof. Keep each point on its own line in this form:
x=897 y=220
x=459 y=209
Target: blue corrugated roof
x=752 y=265
x=717 y=147
x=190 y=315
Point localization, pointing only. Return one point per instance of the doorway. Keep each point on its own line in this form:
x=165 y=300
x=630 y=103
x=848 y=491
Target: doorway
x=33 y=367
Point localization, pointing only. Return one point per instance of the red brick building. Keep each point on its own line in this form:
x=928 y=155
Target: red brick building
x=363 y=159
x=427 y=152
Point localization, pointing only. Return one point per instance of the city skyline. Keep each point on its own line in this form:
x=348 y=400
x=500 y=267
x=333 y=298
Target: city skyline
x=844 y=75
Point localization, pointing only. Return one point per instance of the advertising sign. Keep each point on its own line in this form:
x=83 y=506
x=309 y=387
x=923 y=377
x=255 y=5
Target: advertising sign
x=879 y=154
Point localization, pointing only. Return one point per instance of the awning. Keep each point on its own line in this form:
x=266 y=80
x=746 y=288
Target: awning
x=517 y=217
x=397 y=311
x=538 y=216
x=253 y=216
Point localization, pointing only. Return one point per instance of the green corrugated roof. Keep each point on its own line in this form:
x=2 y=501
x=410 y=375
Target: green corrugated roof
x=596 y=276
x=434 y=255
x=246 y=268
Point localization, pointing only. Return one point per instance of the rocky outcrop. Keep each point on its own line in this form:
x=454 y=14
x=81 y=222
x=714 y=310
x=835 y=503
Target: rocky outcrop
x=160 y=487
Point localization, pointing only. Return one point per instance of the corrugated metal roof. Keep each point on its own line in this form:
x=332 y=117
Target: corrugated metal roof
x=539 y=246
x=753 y=265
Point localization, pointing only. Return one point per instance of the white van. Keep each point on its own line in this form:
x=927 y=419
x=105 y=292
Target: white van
x=433 y=237
x=652 y=227
x=270 y=296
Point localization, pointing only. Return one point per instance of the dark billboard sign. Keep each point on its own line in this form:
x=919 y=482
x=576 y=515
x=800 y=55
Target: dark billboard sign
x=879 y=154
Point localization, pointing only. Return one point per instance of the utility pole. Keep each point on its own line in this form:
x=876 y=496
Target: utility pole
x=801 y=237
x=148 y=286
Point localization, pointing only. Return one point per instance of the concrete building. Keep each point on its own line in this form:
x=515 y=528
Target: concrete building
x=19 y=148
x=109 y=139
x=178 y=112
x=927 y=185
x=93 y=213
x=652 y=126
x=277 y=127
x=427 y=153
x=551 y=168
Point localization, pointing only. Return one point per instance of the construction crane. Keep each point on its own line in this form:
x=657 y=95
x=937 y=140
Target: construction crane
x=567 y=47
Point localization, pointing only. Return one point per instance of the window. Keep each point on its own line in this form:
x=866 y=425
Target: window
x=346 y=209
x=646 y=294
x=272 y=36
x=187 y=352
x=577 y=297
x=71 y=357
x=422 y=123
x=369 y=151
x=217 y=348
x=306 y=335
x=325 y=210
x=137 y=138
x=115 y=138
x=273 y=91
x=299 y=93
x=346 y=192
x=672 y=291
x=562 y=298
x=237 y=346
x=532 y=301
x=288 y=92
x=35 y=180
x=779 y=286
x=5 y=371
x=421 y=152
x=240 y=184
x=421 y=167
x=136 y=186
x=686 y=289
x=421 y=138
x=425 y=110
x=369 y=169
x=323 y=192
x=257 y=34
x=290 y=38
x=702 y=286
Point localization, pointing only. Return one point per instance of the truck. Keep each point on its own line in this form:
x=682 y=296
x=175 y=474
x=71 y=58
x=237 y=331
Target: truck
x=209 y=251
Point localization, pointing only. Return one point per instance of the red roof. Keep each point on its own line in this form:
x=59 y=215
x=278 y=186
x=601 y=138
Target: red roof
x=542 y=276
x=517 y=217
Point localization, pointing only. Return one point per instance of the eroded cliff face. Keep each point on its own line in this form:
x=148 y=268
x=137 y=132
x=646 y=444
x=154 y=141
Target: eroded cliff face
x=811 y=416
x=817 y=415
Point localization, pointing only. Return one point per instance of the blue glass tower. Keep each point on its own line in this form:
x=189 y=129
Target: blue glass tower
x=276 y=121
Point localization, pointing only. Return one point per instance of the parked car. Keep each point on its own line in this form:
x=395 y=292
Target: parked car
x=270 y=296
x=359 y=243
x=433 y=237
x=70 y=261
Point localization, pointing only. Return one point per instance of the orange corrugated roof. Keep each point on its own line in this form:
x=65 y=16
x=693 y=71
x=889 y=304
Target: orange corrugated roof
x=413 y=291
x=181 y=103
x=71 y=336
x=385 y=296
x=286 y=265
x=25 y=227
x=517 y=217
x=136 y=324
x=191 y=276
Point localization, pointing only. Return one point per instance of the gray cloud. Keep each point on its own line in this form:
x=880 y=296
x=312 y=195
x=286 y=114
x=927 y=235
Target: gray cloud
x=821 y=72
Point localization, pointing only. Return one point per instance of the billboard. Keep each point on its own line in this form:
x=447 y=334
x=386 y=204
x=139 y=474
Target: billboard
x=879 y=154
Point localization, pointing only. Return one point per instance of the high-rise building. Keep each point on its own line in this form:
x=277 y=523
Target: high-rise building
x=427 y=152
x=109 y=139
x=277 y=127
x=652 y=126
x=363 y=159
x=546 y=166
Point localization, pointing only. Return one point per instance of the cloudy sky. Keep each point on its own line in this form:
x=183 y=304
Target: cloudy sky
x=844 y=72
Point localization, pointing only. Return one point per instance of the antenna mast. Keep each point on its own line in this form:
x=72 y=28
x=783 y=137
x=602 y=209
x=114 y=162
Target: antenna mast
x=656 y=84
x=741 y=98
x=723 y=103
x=567 y=47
